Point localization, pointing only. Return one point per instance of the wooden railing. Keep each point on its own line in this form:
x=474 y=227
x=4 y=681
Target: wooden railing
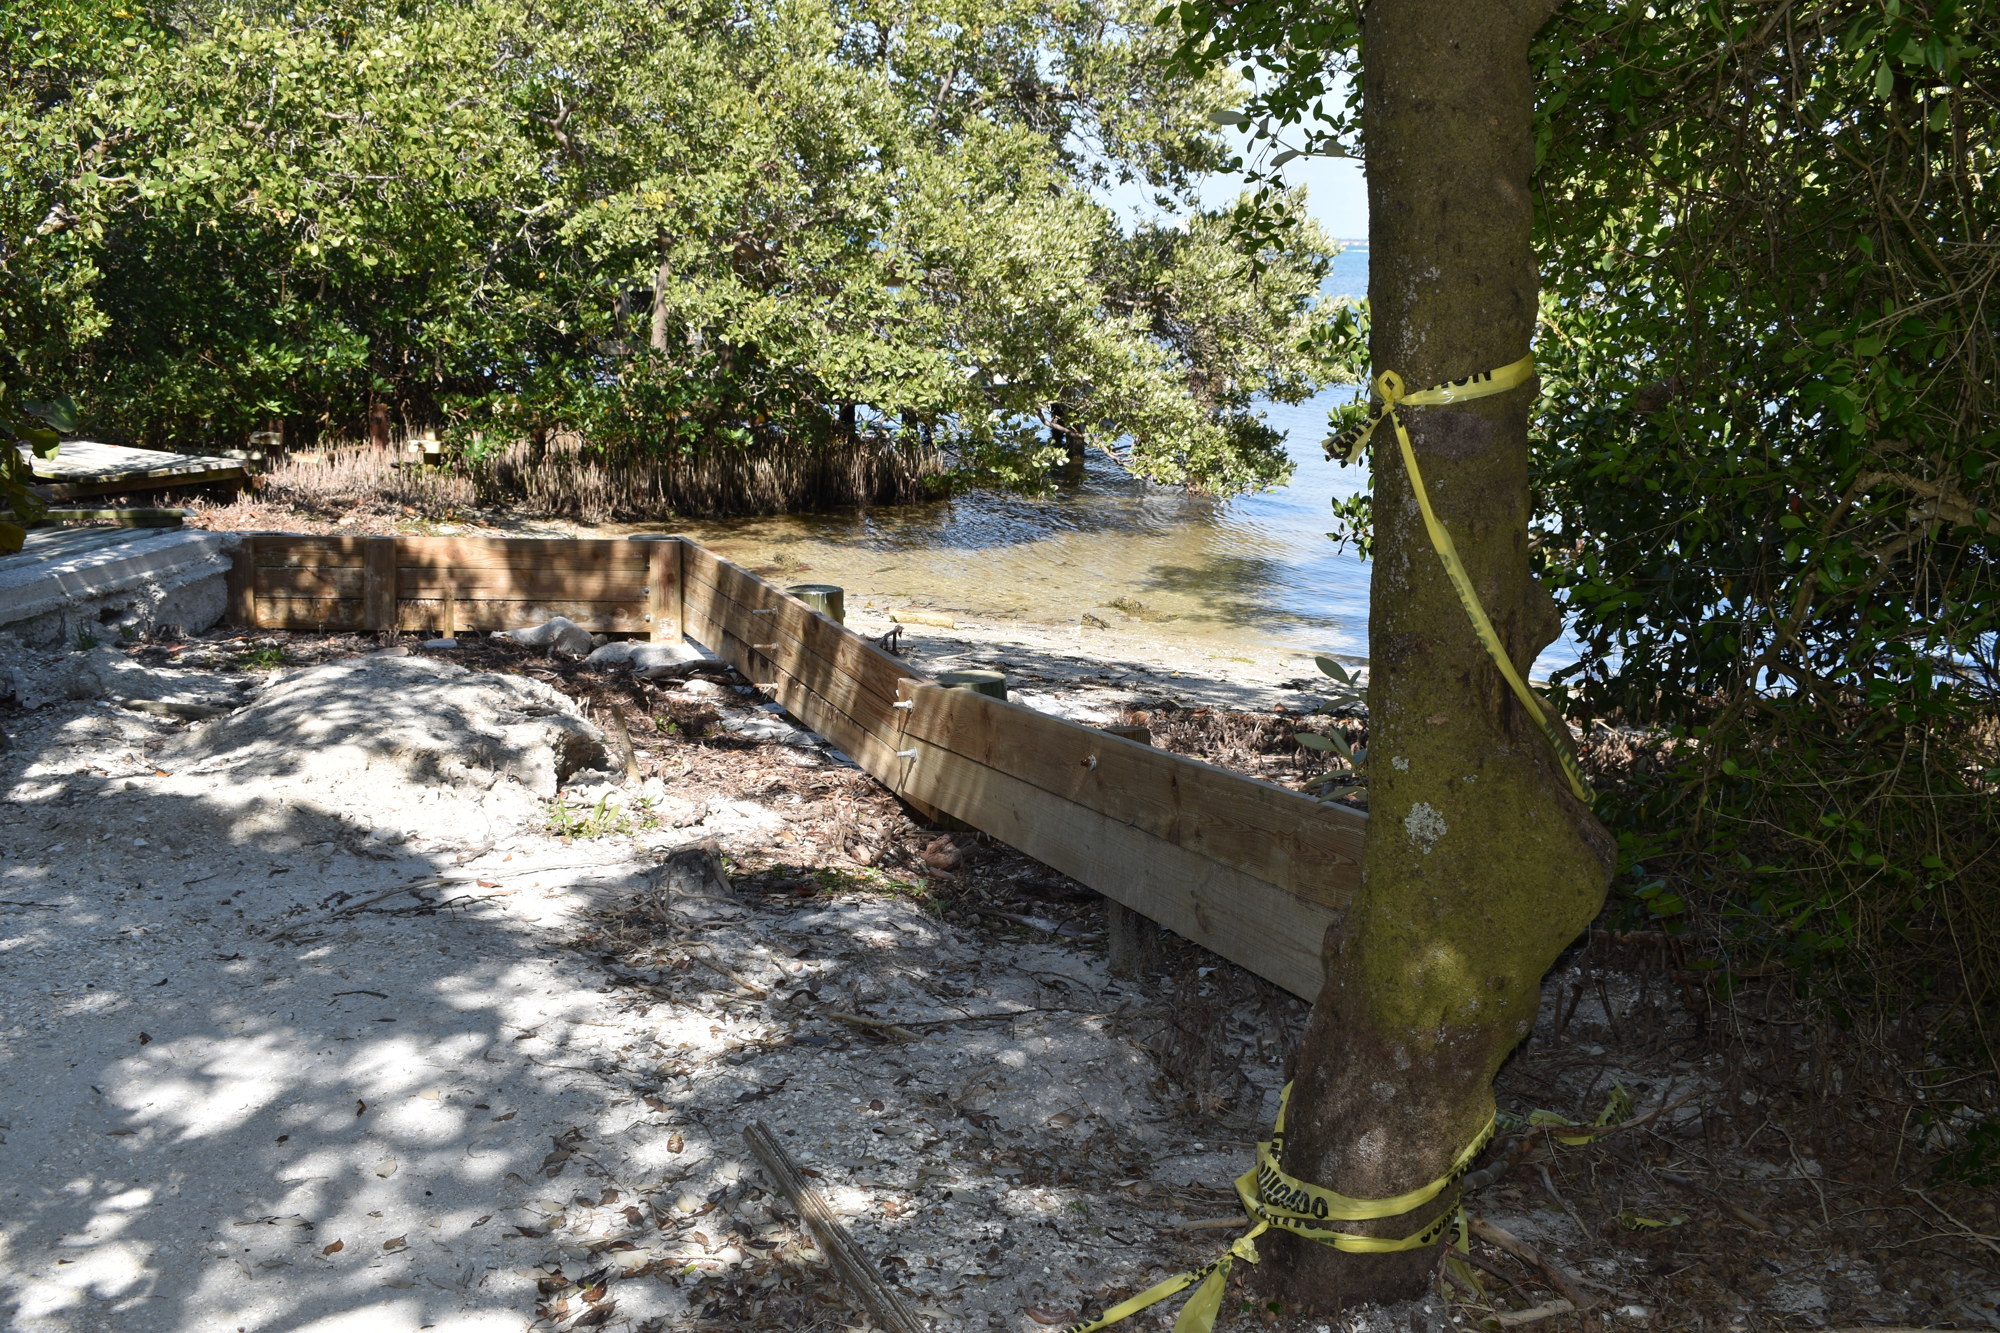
x=1253 y=871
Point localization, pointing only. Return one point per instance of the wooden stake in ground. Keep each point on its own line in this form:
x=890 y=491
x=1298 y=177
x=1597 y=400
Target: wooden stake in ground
x=847 y=1258
x=621 y=741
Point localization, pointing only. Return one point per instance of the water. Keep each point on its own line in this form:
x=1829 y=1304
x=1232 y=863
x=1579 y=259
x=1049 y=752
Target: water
x=1258 y=569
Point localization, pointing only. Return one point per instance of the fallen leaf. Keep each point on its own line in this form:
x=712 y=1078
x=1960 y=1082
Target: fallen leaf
x=508 y=1116
x=483 y=1221
x=145 y=1037
x=675 y=1142
x=334 y=1248
x=633 y=1214
x=360 y=1106
x=431 y=1095
x=487 y=883
x=631 y=1260
x=1043 y=1315
x=529 y=1232
x=121 y=1133
x=388 y=1167
x=875 y=1105
x=396 y=1243
x=610 y=1195
x=1062 y=1121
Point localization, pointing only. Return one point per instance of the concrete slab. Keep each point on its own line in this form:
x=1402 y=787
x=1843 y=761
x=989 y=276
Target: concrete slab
x=105 y=582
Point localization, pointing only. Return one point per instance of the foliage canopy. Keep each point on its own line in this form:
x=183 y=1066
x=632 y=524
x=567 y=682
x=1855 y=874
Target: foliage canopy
x=1768 y=446
x=674 y=229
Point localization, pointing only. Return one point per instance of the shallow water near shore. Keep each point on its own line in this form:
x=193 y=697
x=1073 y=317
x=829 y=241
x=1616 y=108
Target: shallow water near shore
x=1255 y=570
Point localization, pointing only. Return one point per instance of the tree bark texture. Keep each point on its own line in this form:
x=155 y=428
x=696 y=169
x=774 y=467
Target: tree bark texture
x=1479 y=866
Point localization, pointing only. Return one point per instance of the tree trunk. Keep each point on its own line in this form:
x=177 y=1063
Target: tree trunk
x=1073 y=443
x=1479 y=866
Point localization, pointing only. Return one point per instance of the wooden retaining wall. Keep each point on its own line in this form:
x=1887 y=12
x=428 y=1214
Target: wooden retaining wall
x=283 y=581
x=1253 y=871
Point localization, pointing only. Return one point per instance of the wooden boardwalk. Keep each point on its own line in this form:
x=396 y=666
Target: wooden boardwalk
x=1253 y=871
x=85 y=467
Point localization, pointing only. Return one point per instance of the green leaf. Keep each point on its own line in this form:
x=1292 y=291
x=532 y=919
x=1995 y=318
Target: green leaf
x=60 y=413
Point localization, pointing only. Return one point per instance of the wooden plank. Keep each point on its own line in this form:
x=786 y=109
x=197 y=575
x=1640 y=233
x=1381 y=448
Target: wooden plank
x=124 y=518
x=69 y=490
x=868 y=746
x=663 y=589
x=847 y=1258
x=94 y=461
x=522 y=584
x=379 y=585
x=283 y=550
x=597 y=617
x=1275 y=934
x=864 y=721
x=551 y=554
x=311 y=581
x=314 y=613
x=242 y=584
x=841 y=686
x=1264 y=830
x=732 y=596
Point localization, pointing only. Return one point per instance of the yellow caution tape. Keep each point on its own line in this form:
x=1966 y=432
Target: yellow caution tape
x=1617 y=1110
x=1348 y=445
x=1273 y=1198
x=1634 y=1222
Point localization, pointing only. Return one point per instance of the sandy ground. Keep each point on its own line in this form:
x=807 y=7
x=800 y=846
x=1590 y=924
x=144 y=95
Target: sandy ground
x=366 y=1004
x=248 y=1086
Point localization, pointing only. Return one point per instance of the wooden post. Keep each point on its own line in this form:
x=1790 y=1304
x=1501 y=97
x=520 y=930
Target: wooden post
x=663 y=588
x=830 y=600
x=992 y=684
x=242 y=584
x=448 y=615
x=1131 y=940
x=378 y=589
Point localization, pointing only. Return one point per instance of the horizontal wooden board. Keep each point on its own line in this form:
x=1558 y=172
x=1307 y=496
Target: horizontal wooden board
x=312 y=581
x=558 y=582
x=309 y=613
x=550 y=554
x=283 y=550
x=731 y=596
x=1275 y=934
x=597 y=617
x=866 y=744
x=1279 y=836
